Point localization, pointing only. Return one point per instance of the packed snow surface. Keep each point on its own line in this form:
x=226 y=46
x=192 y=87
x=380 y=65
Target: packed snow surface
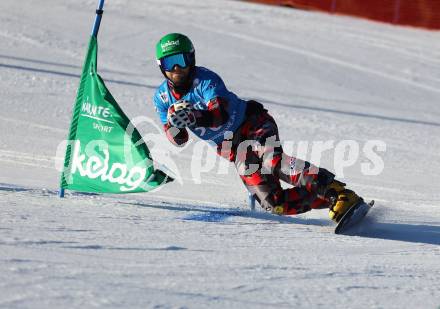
x=194 y=243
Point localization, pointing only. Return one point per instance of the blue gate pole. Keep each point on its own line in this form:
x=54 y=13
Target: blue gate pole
x=95 y=31
x=98 y=18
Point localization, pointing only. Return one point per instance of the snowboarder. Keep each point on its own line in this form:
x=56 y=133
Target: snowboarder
x=196 y=99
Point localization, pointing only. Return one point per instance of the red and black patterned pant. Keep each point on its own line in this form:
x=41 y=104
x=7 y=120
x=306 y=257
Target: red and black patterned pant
x=261 y=163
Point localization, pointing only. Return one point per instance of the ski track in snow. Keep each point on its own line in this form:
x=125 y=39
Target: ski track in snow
x=191 y=245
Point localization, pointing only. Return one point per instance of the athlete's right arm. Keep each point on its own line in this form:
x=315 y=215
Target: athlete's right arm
x=176 y=136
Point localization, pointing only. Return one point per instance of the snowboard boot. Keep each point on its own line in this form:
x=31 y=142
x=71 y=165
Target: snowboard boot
x=340 y=198
x=278 y=210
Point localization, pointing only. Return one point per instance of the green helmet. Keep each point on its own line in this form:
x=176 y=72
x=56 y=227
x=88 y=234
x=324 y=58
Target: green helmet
x=174 y=43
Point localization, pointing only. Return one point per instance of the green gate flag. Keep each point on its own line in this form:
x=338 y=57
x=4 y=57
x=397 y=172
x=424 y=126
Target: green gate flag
x=105 y=152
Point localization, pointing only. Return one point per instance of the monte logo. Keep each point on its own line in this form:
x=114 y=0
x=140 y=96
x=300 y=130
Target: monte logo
x=95 y=110
x=169 y=45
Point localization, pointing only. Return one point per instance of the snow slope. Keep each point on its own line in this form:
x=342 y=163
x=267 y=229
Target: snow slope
x=194 y=244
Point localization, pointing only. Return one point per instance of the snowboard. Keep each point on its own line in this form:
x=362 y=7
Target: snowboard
x=353 y=216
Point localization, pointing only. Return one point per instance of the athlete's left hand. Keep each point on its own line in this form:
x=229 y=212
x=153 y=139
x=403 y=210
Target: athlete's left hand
x=181 y=115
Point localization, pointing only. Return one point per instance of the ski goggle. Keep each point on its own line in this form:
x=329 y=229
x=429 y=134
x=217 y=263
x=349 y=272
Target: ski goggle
x=183 y=60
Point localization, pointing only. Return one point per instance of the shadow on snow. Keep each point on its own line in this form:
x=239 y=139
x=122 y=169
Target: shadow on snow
x=217 y=214
x=425 y=234
x=416 y=233
x=369 y=228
